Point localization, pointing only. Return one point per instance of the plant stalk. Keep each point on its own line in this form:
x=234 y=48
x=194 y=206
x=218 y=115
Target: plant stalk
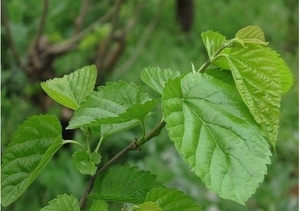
x=134 y=145
x=212 y=59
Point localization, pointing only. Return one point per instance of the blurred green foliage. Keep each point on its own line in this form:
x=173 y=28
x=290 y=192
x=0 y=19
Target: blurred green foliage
x=167 y=47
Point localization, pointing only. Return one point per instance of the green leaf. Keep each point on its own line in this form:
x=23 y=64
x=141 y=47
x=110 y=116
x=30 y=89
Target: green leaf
x=258 y=80
x=32 y=146
x=212 y=41
x=251 y=34
x=111 y=129
x=70 y=90
x=156 y=77
x=286 y=75
x=124 y=184
x=113 y=103
x=147 y=206
x=99 y=205
x=63 y=203
x=170 y=199
x=221 y=74
x=214 y=132
x=85 y=161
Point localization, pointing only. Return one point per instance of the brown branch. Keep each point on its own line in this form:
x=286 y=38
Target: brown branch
x=134 y=145
x=10 y=40
x=72 y=42
x=141 y=43
x=40 y=30
x=114 y=23
x=134 y=19
x=81 y=16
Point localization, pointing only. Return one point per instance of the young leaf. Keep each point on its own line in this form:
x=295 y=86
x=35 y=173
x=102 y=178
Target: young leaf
x=147 y=206
x=70 y=90
x=113 y=104
x=170 y=199
x=214 y=132
x=212 y=41
x=124 y=184
x=32 y=146
x=63 y=203
x=85 y=162
x=99 y=205
x=258 y=79
x=251 y=34
x=156 y=77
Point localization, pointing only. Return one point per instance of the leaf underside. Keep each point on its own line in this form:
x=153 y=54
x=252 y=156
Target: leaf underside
x=124 y=184
x=215 y=133
x=32 y=146
x=258 y=81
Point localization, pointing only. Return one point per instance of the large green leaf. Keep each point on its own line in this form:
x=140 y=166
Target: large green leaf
x=216 y=135
x=70 y=90
x=170 y=199
x=32 y=146
x=156 y=77
x=212 y=41
x=113 y=103
x=125 y=184
x=63 y=203
x=258 y=80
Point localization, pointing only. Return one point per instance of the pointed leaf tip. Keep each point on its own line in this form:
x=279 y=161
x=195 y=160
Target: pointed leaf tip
x=71 y=89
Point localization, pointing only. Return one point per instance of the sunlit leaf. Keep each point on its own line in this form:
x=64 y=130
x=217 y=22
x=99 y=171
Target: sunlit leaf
x=71 y=89
x=113 y=103
x=63 y=203
x=170 y=199
x=212 y=41
x=125 y=184
x=216 y=135
x=156 y=77
x=251 y=34
x=32 y=146
x=258 y=80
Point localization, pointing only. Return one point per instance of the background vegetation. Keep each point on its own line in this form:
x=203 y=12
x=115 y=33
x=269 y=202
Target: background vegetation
x=154 y=38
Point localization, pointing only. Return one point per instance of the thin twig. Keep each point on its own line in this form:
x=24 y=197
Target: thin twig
x=141 y=43
x=134 y=18
x=81 y=16
x=9 y=36
x=41 y=27
x=134 y=145
x=114 y=23
x=71 y=43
